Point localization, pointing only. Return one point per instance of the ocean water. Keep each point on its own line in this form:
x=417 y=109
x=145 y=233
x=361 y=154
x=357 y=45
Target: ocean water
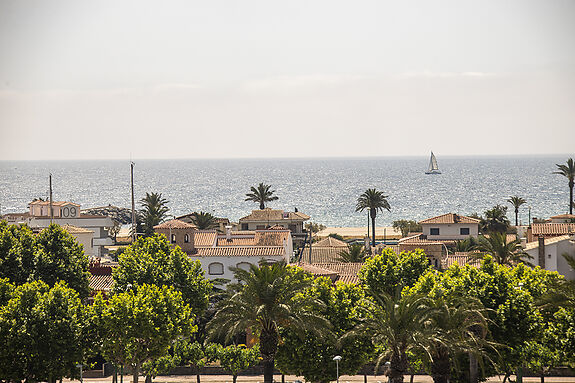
x=325 y=189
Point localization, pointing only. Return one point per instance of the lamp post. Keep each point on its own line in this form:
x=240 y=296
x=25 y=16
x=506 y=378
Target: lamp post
x=337 y=359
x=79 y=365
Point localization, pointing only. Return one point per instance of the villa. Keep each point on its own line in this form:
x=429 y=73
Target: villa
x=450 y=226
x=547 y=253
x=262 y=219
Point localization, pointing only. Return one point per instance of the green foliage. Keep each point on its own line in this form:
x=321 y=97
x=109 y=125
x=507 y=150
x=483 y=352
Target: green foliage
x=16 y=252
x=407 y=226
x=502 y=252
x=154 y=211
x=516 y=201
x=204 y=221
x=568 y=171
x=139 y=325
x=153 y=260
x=336 y=236
x=43 y=330
x=466 y=245
x=373 y=200
x=266 y=300
x=311 y=356
x=261 y=195
x=495 y=220
x=237 y=358
x=355 y=253
x=314 y=226
x=389 y=272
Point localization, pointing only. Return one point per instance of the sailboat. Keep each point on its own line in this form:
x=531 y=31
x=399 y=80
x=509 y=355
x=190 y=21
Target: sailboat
x=433 y=168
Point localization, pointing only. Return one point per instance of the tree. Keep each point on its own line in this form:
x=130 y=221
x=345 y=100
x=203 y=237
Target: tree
x=503 y=252
x=16 y=252
x=355 y=253
x=389 y=272
x=204 y=221
x=315 y=227
x=568 y=171
x=261 y=195
x=407 y=226
x=495 y=220
x=153 y=260
x=43 y=332
x=516 y=201
x=115 y=230
x=154 y=211
x=59 y=257
x=139 y=325
x=237 y=358
x=267 y=299
x=466 y=245
x=374 y=201
x=399 y=325
x=312 y=355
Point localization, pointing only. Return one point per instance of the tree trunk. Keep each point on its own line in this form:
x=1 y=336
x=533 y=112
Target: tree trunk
x=473 y=369
x=440 y=366
x=234 y=378
x=268 y=371
x=542 y=379
x=262 y=205
x=373 y=229
x=148 y=379
x=268 y=348
x=136 y=373
x=198 y=378
x=516 y=216
x=397 y=368
x=411 y=378
x=571 y=197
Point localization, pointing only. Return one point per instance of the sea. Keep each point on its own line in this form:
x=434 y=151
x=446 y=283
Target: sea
x=326 y=189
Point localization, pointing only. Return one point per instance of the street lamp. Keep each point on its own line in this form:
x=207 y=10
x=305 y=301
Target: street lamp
x=337 y=359
x=79 y=365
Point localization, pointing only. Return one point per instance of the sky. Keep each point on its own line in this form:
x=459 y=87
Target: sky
x=224 y=79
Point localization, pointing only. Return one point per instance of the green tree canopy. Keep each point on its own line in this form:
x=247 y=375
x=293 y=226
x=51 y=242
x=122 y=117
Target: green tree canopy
x=154 y=211
x=389 y=272
x=502 y=252
x=16 y=252
x=312 y=355
x=261 y=195
x=407 y=226
x=153 y=260
x=204 y=221
x=495 y=220
x=516 y=201
x=139 y=325
x=43 y=331
x=355 y=253
x=266 y=300
x=236 y=358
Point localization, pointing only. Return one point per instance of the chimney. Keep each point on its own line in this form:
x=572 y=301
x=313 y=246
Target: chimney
x=523 y=242
x=228 y=233
x=541 y=253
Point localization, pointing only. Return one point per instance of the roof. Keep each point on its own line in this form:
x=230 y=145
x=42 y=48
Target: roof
x=552 y=228
x=330 y=242
x=175 y=224
x=267 y=215
x=241 y=251
x=204 y=238
x=54 y=203
x=271 y=238
x=322 y=254
x=461 y=259
x=76 y=230
x=346 y=272
x=564 y=216
x=101 y=282
x=450 y=218
x=418 y=239
x=548 y=241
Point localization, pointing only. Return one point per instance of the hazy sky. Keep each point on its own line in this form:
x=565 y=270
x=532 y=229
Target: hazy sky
x=189 y=79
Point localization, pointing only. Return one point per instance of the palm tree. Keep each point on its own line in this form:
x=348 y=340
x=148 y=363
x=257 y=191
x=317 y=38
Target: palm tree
x=562 y=293
x=516 y=201
x=373 y=200
x=400 y=324
x=261 y=195
x=459 y=326
x=204 y=221
x=569 y=172
x=354 y=253
x=265 y=300
x=153 y=212
x=503 y=252
x=495 y=220
x=466 y=245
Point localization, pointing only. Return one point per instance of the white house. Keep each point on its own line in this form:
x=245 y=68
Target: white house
x=450 y=226
x=548 y=253
x=83 y=236
x=263 y=219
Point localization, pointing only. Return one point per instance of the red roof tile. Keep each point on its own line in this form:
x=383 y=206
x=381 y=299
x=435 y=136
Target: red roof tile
x=450 y=218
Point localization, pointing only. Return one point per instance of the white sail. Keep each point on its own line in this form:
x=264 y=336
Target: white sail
x=433 y=167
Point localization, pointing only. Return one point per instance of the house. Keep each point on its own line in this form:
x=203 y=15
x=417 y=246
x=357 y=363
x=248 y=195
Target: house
x=68 y=213
x=83 y=236
x=262 y=219
x=563 y=218
x=548 y=253
x=436 y=251
x=218 y=252
x=337 y=272
x=549 y=230
x=450 y=226
x=324 y=251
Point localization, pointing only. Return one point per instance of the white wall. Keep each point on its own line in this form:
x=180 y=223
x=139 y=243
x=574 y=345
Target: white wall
x=231 y=262
x=554 y=260
x=450 y=231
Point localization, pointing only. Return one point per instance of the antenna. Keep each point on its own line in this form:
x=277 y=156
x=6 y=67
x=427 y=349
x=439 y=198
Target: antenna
x=51 y=201
x=133 y=202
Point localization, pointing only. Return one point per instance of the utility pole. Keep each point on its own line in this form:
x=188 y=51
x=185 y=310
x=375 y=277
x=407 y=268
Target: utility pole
x=310 y=240
x=133 y=203
x=51 y=201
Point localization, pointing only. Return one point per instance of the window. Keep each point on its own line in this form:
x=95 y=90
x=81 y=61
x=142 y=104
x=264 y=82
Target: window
x=243 y=266
x=173 y=238
x=464 y=231
x=260 y=227
x=216 y=268
x=434 y=231
x=244 y=226
x=186 y=238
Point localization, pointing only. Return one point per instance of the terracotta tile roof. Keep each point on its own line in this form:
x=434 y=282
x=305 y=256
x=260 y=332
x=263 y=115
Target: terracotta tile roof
x=552 y=228
x=461 y=259
x=347 y=272
x=76 y=230
x=268 y=214
x=205 y=238
x=418 y=239
x=322 y=254
x=102 y=283
x=271 y=238
x=450 y=218
x=241 y=251
x=54 y=203
x=175 y=224
x=564 y=216
x=548 y=241
x=235 y=241
x=330 y=242
x=318 y=271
